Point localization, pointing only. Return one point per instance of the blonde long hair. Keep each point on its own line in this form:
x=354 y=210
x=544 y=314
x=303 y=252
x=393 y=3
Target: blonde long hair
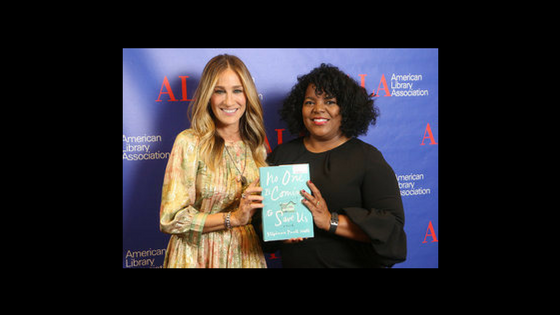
x=251 y=124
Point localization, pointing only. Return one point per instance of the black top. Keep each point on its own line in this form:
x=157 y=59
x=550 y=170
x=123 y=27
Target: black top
x=355 y=180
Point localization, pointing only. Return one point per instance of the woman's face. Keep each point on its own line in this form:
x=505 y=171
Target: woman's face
x=321 y=116
x=228 y=100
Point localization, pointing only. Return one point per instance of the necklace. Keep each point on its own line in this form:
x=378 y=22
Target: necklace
x=243 y=178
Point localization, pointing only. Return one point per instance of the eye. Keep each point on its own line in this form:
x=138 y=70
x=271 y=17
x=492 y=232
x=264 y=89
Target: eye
x=219 y=91
x=237 y=91
x=308 y=103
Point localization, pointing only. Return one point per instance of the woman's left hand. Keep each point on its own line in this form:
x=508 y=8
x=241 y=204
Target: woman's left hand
x=318 y=207
x=250 y=202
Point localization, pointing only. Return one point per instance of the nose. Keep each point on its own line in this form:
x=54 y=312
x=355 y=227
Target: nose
x=229 y=99
x=319 y=107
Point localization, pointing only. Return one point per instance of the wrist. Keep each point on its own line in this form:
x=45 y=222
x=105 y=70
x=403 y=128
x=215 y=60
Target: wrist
x=328 y=225
x=227 y=220
x=234 y=220
x=333 y=223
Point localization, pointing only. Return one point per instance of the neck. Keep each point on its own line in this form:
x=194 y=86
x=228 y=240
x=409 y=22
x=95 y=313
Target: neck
x=229 y=133
x=318 y=145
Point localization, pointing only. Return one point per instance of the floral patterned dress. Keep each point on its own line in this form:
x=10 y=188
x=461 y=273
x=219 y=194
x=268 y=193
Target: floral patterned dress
x=191 y=192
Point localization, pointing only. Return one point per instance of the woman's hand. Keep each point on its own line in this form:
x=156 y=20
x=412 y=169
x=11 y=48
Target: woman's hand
x=322 y=216
x=250 y=202
x=318 y=207
x=294 y=240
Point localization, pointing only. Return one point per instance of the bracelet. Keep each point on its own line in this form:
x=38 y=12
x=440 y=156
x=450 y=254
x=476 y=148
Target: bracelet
x=227 y=220
x=334 y=222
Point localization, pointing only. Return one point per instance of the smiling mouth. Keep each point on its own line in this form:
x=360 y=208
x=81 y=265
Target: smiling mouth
x=320 y=121
x=230 y=111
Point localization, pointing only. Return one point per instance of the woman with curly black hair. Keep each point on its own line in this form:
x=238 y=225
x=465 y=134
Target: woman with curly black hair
x=356 y=202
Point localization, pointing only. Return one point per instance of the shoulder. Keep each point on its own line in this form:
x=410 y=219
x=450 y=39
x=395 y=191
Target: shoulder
x=375 y=162
x=290 y=145
x=188 y=135
x=187 y=139
x=368 y=151
x=286 y=151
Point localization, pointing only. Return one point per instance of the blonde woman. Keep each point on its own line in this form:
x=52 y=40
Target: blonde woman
x=210 y=189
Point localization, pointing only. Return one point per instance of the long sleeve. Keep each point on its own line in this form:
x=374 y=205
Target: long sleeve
x=355 y=180
x=178 y=214
x=382 y=217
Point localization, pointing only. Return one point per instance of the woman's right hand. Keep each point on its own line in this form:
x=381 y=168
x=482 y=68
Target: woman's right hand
x=294 y=240
x=251 y=200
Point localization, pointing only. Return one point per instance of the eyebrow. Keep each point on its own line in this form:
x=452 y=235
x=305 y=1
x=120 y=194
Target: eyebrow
x=327 y=97
x=234 y=87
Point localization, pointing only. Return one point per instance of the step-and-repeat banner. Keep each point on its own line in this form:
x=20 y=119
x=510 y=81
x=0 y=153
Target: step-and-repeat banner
x=158 y=85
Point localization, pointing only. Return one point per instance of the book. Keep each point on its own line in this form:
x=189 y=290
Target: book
x=284 y=216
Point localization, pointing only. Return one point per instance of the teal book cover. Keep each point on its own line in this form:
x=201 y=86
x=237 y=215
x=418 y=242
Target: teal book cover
x=284 y=216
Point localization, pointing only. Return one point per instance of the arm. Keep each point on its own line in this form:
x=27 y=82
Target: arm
x=381 y=215
x=349 y=229
x=322 y=216
x=177 y=213
x=247 y=207
x=380 y=219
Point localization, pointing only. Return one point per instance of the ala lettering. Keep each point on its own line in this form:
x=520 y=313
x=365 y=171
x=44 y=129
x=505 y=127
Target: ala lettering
x=166 y=89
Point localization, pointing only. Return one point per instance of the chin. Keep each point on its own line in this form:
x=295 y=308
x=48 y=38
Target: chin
x=226 y=121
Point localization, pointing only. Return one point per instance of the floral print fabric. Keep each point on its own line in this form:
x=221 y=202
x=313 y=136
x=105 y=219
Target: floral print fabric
x=191 y=192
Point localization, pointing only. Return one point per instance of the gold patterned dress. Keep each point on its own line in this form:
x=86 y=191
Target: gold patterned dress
x=190 y=193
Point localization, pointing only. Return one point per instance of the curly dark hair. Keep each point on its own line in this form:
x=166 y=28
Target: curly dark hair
x=356 y=106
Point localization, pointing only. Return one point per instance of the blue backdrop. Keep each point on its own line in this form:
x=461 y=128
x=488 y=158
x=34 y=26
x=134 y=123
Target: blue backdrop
x=159 y=83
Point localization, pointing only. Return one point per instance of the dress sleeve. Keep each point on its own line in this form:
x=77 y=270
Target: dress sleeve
x=382 y=218
x=177 y=213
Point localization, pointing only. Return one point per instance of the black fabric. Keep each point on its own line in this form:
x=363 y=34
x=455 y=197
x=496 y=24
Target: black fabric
x=356 y=181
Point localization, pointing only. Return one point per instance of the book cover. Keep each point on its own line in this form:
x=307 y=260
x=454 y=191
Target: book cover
x=284 y=216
